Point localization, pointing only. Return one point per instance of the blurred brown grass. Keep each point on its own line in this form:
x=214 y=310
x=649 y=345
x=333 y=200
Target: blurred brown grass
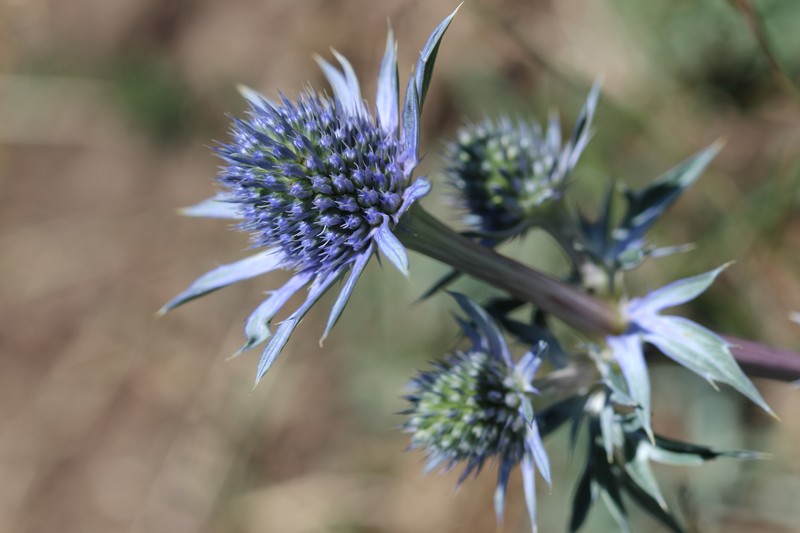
x=111 y=420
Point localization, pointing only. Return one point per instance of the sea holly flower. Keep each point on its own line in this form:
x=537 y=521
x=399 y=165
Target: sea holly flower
x=687 y=343
x=506 y=173
x=320 y=184
x=476 y=405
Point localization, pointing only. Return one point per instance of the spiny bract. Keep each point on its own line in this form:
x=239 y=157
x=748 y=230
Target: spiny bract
x=686 y=342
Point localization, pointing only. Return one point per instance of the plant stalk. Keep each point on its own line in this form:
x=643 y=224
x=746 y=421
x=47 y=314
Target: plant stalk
x=760 y=360
x=418 y=230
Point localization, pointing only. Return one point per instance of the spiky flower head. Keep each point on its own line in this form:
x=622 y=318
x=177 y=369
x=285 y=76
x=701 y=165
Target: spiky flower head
x=505 y=172
x=475 y=405
x=320 y=184
x=314 y=183
x=467 y=407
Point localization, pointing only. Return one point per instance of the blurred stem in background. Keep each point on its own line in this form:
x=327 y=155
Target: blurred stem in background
x=760 y=360
x=755 y=22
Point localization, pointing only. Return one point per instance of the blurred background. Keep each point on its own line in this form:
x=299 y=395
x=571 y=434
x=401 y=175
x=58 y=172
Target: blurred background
x=113 y=420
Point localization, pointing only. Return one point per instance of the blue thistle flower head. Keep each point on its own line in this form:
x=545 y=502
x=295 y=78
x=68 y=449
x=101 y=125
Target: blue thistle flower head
x=505 y=172
x=475 y=405
x=320 y=184
x=314 y=183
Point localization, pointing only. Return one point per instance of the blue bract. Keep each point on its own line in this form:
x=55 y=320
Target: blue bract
x=320 y=184
x=687 y=343
x=476 y=405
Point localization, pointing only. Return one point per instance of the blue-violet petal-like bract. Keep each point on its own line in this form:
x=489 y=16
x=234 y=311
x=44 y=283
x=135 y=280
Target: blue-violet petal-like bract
x=320 y=184
x=687 y=343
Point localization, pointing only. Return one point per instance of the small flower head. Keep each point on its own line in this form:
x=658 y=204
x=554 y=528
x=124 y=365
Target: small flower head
x=467 y=409
x=320 y=184
x=505 y=172
x=476 y=405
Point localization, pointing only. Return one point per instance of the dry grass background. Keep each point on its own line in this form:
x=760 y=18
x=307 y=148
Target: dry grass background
x=111 y=420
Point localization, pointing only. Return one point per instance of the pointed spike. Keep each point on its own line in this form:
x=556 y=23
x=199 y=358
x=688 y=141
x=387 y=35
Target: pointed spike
x=584 y=121
x=702 y=351
x=344 y=295
x=441 y=284
x=418 y=190
x=675 y=293
x=352 y=83
x=529 y=488
x=427 y=58
x=392 y=248
x=346 y=100
x=225 y=275
x=219 y=206
x=255 y=98
x=388 y=89
x=256 y=327
x=410 y=130
x=628 y=353
x=645 y=206
x=318 y=288
x=504 y=471
x=536 y=448
x=497 y=344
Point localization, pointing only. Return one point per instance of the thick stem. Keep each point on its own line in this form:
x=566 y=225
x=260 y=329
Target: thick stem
x=420 y=231
x=760 y=360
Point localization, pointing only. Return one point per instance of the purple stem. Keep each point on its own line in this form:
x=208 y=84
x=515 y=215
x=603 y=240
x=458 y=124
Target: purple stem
x=418 y=230
x=760 y=360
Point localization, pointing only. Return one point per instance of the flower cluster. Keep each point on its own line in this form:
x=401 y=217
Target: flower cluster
x=323 y=184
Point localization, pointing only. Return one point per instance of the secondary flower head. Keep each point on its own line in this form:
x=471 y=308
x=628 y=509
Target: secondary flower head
x=475 y=405
x=505 y=172
x=320 y=183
